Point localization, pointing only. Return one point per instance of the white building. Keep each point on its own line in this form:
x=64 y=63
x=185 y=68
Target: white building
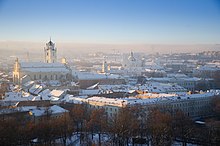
x=187 y=82
x=50 y=70
x=193 y=105
x=132 y=61
x=156 y=87
x=207 y=71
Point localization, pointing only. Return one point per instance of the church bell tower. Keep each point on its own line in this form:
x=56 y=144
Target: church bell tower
x=50 y=52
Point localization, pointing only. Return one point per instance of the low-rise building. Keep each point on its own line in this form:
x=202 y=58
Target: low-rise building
x=87 y=79
x=187 y=82
x=193 y=105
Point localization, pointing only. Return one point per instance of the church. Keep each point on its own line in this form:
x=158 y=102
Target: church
x=49 y=70
x=131 y=61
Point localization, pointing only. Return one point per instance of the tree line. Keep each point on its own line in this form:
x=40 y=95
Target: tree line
x=155 y=127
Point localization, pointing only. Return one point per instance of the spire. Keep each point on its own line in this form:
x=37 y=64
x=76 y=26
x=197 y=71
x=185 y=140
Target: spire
x=50 y=42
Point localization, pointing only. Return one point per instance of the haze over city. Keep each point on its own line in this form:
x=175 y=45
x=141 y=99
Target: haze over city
x=125 y=25
x=110 y=72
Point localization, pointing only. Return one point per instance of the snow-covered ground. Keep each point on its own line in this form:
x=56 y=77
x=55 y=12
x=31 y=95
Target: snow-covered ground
x=74 y=140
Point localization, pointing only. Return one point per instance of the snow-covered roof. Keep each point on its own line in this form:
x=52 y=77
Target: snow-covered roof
x=18 y=96
x=170 y=79
x=45 y=92
x=57 y=109
x=36 y=89
x=209 y=67
x=89 y=92
x=40 y=111
x=157 y=87
x=46 y=69
x=29 y=83
x=148 y=98
x=25 y=96
x=178 y=75
x=40 y=65
x=154 y=70
x=89 y=75
x=154 y=87
x=71 y=99
x=54 y=98
x=106 y=101
x=43 y=67
x=117 y=88
x=56 y=93
x=93 y=86
x=153 y=65
x=54 y=83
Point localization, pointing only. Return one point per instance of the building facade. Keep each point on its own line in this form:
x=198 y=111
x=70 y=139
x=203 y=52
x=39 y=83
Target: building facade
x=44 y=71
x=193 y=105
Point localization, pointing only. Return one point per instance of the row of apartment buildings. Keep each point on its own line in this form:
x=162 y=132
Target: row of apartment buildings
x=193 y=105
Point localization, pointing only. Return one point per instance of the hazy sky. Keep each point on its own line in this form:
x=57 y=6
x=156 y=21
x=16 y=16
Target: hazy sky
x=111 y=21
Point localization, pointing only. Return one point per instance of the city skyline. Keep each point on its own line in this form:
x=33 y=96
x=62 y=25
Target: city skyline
x=111 y=22
x=72 y=72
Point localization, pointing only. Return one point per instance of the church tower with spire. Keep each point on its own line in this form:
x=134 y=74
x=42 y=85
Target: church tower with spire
x=50 y=52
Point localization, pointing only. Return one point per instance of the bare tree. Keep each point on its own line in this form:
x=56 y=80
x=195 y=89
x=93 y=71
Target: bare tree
x=97 y=122
x=125 y=125
x=182 y=127
x=160 y=127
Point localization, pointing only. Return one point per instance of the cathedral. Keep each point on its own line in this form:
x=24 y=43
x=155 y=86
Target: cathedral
x=48 y=70
x=131 y=61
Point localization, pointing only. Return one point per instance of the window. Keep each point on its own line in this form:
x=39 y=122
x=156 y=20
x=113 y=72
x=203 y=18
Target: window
x=34 y=77
x=40 y=76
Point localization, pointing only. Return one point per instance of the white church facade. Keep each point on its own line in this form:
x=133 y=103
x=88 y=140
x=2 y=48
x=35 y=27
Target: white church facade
x=48 y=70
x=131 y=61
